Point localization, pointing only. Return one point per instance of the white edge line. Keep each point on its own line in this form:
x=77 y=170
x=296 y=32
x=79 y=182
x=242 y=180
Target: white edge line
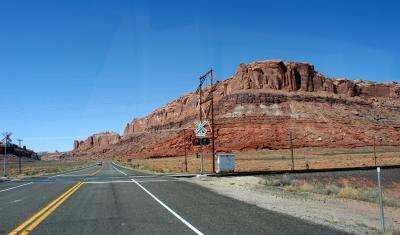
x=108 y=182
x=69 y=176
x=15 y=187
x=144 y=176
x=118 y=169
x=149 y=181
x=169 y=209
x=126 y=181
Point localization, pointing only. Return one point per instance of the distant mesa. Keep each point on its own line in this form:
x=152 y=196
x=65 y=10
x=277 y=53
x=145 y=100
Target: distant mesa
x=98 y=141
x=260 y=102
x=15 y=150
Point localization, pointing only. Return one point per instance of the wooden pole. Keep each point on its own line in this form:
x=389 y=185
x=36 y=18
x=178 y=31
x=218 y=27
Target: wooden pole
x=291 y=148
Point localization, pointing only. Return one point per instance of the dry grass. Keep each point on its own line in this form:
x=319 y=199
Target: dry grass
x=36 y=168
x=368 y=194
x=306 y=187
x=395 y=232
x=264 y=160
x=348 y=192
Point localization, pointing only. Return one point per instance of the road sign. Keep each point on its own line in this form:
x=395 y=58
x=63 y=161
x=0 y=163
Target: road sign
x=201 y=129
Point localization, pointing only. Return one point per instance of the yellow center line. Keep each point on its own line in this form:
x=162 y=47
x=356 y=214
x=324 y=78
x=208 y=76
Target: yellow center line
x=46 y=211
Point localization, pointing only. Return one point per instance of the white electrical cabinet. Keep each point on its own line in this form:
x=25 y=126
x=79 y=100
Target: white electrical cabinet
x=225 y=162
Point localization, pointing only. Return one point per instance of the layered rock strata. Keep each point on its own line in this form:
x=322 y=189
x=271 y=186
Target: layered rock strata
x=257 y=107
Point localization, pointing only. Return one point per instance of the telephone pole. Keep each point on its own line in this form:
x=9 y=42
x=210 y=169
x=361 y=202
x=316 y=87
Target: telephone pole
x=375 y=151
x=201 y=146
x=291 y=148
x=185 y=146
x=19 y=157
x=5 y=141
x=212 y=122
x=206 y=112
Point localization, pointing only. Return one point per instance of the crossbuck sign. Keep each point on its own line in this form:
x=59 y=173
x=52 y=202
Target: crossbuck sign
x=201 y=129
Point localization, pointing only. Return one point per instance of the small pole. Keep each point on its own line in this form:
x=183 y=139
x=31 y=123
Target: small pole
x=19 y=164
x=5 y=142
x=201 y=160
x=212 y=121
x=374 y=151
x=19 y=158
x=4 y=159
x=184 y=141
x=291 y=148
x=378 y=170
x=201 y=147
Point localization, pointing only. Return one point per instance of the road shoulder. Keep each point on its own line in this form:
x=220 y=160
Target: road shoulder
x=343 y=214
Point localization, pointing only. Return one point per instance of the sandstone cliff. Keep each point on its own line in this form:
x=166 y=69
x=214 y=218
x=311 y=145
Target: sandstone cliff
x=256 y=107
x=97 y=142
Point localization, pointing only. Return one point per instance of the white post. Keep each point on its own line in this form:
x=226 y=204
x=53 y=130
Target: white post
x=201 y=160
x=4 y=159
x=378 y=170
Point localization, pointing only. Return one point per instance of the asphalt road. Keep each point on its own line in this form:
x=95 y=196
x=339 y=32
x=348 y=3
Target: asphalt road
x=114 y=200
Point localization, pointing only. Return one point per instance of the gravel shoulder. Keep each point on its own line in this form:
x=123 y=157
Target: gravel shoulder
x=352 y=216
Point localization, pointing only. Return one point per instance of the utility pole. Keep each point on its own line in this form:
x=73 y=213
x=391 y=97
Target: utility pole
x=5 y=141
x=212 y=122
x=291 y=148
x=201 y=146
x=19 y=158
x=378 y=171
x=374 y=151
x=209 y=99
x=185 y=146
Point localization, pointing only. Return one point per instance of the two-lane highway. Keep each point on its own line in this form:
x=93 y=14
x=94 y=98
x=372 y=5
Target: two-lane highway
x=109 y=199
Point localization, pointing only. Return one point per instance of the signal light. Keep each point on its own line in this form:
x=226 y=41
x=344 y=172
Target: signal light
x=202 y=141
x=196 y=141
x=205 y=141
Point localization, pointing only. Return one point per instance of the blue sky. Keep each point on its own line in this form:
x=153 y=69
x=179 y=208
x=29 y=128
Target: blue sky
x=72 y=68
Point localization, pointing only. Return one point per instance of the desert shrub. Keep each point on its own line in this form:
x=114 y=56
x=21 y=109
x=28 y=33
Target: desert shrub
x=332 y=189
x=388 y=201
x=395 y=232
x=34 y=172
x=320 y=188
x=135 y=165
x=348 y=192
x=290 y=188
x=286 y=180
x=306 y=187
x=370 y=195
x=276 y=182
x=281 y=181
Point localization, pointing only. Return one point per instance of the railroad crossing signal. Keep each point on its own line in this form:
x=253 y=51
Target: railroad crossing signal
x=6 y=140
x=201 y=129
x=200 y=141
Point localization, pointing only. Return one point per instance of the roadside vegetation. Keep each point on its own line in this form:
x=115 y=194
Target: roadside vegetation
x=348 y=191
x=38 y=168
x=130 y=163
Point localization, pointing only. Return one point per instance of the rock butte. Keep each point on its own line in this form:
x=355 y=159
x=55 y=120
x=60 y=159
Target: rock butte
x=255 y=108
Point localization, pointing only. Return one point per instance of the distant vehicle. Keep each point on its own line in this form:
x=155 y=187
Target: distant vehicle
x=99 y=163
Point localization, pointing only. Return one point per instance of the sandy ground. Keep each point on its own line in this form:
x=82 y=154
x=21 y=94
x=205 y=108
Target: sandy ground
x=345 y=214
x=266 y=160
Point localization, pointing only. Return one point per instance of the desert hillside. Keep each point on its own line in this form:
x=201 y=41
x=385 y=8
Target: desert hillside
x=256 y=108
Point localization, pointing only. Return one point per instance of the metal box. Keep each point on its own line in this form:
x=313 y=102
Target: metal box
x=225 y=162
